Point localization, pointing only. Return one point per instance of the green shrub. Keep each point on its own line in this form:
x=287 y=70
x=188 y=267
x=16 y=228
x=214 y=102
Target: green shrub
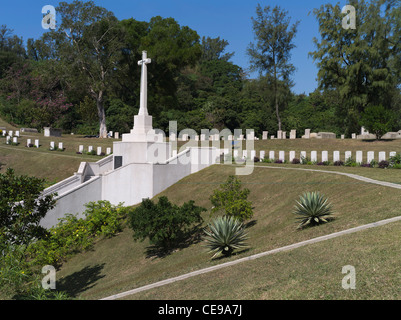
x=20 y=279
x=231 y=200
x=224 y=235
x=350 y=162
x=72 y=234
x=395 y=161
x=165 y=224
x=312 y=209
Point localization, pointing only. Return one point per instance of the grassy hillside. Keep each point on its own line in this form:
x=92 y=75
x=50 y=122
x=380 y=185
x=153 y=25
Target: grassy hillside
x=119 y=264
x=311 y=272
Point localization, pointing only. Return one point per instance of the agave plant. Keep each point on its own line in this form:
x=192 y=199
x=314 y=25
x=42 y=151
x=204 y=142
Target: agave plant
x=224 y=235
x=312 y=208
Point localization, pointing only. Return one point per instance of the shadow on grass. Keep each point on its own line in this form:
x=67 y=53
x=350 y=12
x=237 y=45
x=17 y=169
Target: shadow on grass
x=314 y=224
x=80 y=281
x=191 y=237
x=235 y=253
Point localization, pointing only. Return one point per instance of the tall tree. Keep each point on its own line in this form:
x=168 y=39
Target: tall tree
x=89 y=42
x=362 y=64
x=271 y=54
x=213 y=49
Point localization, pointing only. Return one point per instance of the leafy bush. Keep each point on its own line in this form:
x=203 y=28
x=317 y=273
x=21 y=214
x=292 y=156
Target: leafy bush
x=164 y=223
x=312 y=209
x=20 y=208
x=256 y=159
x=231 y=199
x=338 y=163
x=278 y=161
x=383 y=164
x=323 y=163
x=350 y=162
x=395 y=160
x=365 y=165
x=224 y=235
x=267 y=160
x=72 y=235
x=19 y=279
x=295 y=161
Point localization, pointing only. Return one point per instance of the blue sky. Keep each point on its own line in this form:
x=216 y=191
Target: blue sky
x=227 y=19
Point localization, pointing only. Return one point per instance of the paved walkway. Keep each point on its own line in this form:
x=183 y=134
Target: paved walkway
x=282 y=249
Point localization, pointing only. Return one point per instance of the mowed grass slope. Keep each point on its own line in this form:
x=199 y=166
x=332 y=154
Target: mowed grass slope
x=119 y=264
x=53 y=166
x=310 y=272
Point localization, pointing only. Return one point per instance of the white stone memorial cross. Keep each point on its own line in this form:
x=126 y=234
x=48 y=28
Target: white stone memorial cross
x=143 y=109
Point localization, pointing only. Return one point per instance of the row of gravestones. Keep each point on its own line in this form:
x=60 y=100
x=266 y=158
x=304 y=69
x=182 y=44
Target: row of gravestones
x=251 y=136
x=29 y=144
x=313 y=155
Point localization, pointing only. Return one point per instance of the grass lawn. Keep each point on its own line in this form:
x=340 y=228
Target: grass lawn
x=310 y=272
x=119 y=264
x=53 y=166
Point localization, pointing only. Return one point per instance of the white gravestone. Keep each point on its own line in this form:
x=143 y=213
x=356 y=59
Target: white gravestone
x=393 y=154
x=284 y=135
x=353 y=136
x=292 y=156
x=52 y=145
x=271 y=155
x=28 y=142
x=359 y=157
x=17 y=133
x=81 y=148
x=382 y=156
x=313 y=156
x=253 y=154
x=116 y=135
x=336 y=156
x=325 y=156
x=279 y=132
x=265 y=134
x=293 y=134
x=302 y=155
x=262 y=155
x=60 y=146
x=371 y=156
x=235 y=154
x=90 y=148
x=307 y=133
x=108 y=151
x=15 y=140
x=281 y=156
x=37 y=143
x=348 y=155
x=8 y=139
x=99 y=151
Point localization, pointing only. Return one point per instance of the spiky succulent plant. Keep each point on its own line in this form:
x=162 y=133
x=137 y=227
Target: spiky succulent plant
x=312 y=209
x=224 y=235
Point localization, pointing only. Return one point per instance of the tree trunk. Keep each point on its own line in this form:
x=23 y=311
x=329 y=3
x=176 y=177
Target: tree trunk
x=102 y=115
x=276 y=99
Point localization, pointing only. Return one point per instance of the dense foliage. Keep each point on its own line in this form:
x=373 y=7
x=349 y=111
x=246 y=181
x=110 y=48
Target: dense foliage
x=232 y=200
x=22 y=206
x=87 y=80
x=165 y=224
